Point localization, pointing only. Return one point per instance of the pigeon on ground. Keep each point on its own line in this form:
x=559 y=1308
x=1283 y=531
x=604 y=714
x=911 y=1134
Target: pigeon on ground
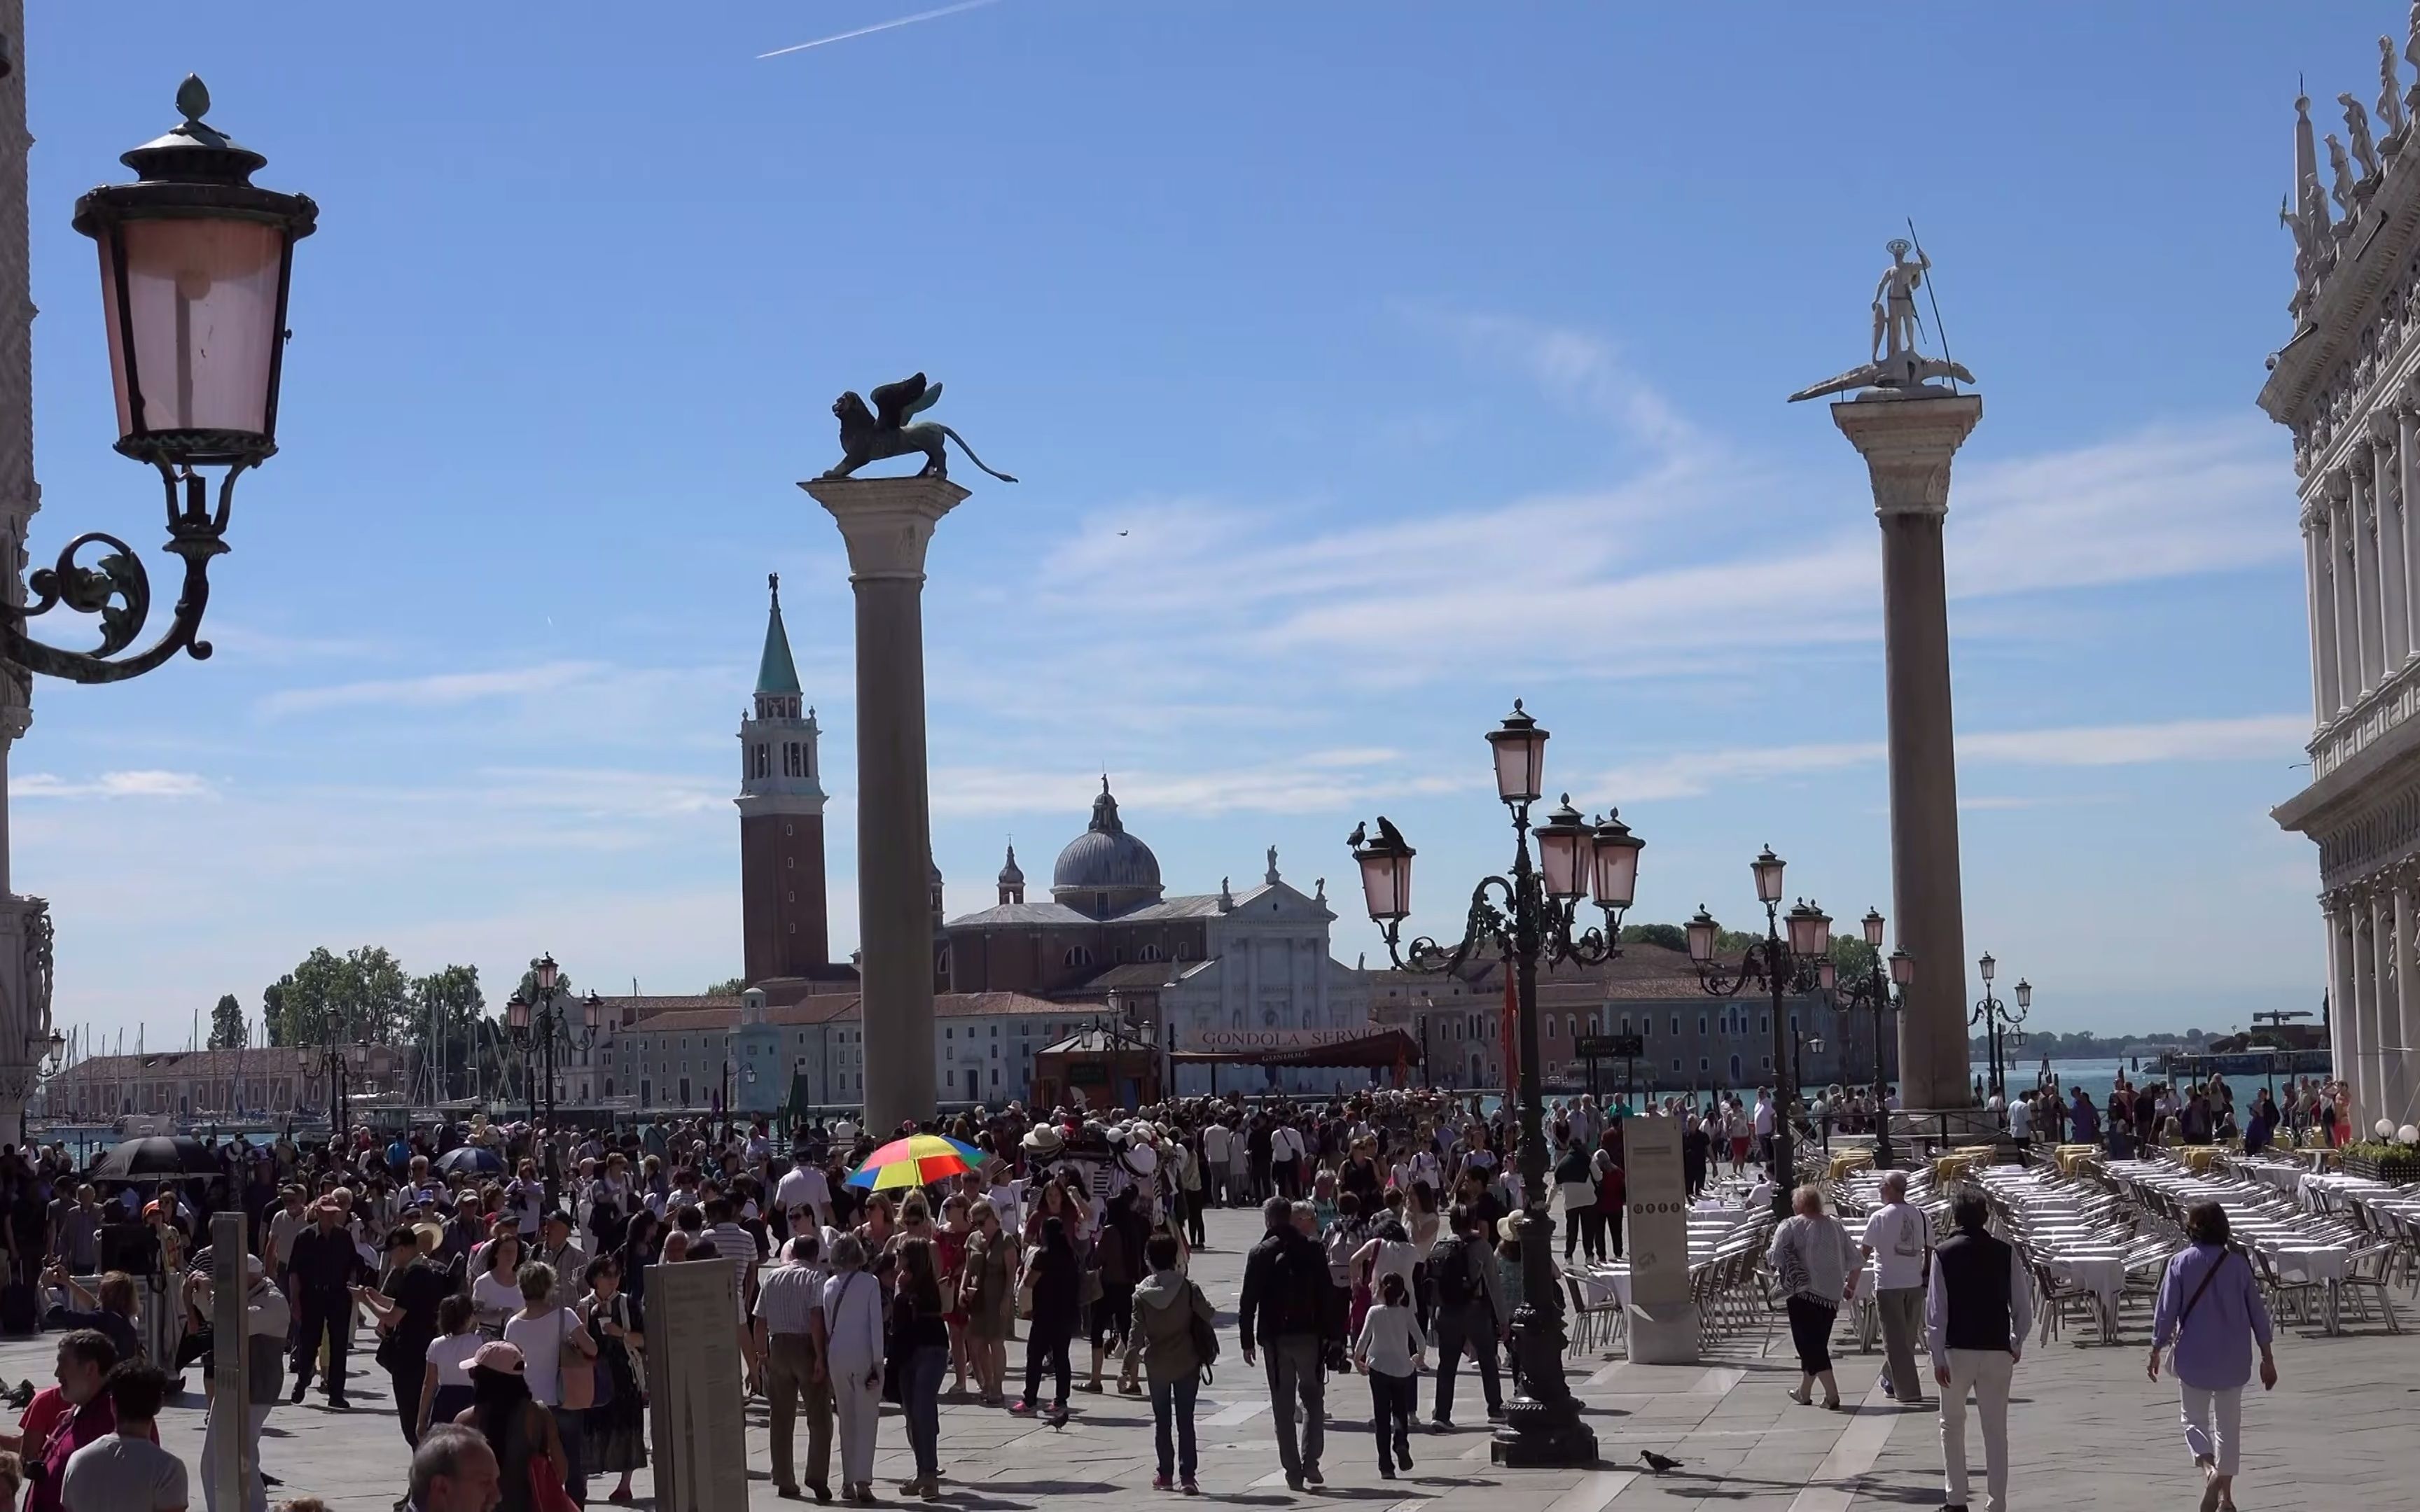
x=1657 y=1462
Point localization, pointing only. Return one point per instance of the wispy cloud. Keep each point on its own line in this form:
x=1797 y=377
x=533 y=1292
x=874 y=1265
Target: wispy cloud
x=436 y=689
x=2167 y=501
x=1321 y=782
x=1578 y=369
x=131 y=784
x=2254 y=738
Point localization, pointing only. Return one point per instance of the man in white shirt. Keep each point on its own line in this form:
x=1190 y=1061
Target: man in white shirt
x=804 y=1186
x=1285 y=1165
x=2020 y=1118
x=1764 y=1127
x=1213 y=1163
x=1898 y=1239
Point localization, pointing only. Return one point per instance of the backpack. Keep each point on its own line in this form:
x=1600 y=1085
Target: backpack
x=1450 y=1269
x=1205 y=1333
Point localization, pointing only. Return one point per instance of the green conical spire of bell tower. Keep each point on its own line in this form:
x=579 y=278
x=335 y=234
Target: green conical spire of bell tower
x=776 y=672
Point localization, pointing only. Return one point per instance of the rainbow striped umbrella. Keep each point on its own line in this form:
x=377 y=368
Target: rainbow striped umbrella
x=918 y=1160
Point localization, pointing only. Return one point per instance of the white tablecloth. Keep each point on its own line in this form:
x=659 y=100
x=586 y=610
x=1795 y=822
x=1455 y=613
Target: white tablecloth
x=2297 y=1261
x=2104 y=1276
x=1602 y=1284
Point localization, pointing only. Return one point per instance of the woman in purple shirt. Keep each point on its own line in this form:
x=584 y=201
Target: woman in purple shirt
x=2209 y=1306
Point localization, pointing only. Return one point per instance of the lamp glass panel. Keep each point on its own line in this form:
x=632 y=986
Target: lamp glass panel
x=202 y=295
x=1701 y=939
x=1617 y=873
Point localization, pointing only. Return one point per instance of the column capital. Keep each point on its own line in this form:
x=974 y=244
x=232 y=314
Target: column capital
x=1907 y=444
x=2385 y=426
x=2337 y=485
x=887 y=522
x=2358 y=456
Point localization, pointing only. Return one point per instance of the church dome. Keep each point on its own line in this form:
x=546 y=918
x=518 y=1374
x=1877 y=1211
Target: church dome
x=1104 y=859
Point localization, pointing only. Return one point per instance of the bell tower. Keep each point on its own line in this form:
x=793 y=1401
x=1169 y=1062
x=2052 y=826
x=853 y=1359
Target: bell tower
x=781 y=821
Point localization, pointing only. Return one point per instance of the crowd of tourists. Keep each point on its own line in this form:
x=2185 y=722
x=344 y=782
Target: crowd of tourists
x=500 y=1273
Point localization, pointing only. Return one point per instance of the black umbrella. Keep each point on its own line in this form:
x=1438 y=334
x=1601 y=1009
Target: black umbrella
x=470 y=1160
x=137 y=1160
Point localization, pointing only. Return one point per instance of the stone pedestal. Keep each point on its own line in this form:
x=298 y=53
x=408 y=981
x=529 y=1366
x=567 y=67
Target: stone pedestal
x=1663 y=1321
x=886 y=523
x=1907 y=444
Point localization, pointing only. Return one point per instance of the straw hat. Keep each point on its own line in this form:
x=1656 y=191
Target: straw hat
x=1043 y=1139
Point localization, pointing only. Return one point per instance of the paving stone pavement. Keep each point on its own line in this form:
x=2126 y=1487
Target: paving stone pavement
x=2087 y=1432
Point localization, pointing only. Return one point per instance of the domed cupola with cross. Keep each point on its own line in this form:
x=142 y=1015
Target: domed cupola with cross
x=1104 y=871
x=781 y=819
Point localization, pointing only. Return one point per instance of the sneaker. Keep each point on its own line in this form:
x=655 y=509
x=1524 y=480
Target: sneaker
x=1163 y=1482
x=1496 y=1415
x=1294 y=1484
x=294 y=1398
x=1386 y=1471
x=1440 y=1425
x=1403 y=1452
x=1191 y=1489
x=1021 y=1407
x=1311 y=1474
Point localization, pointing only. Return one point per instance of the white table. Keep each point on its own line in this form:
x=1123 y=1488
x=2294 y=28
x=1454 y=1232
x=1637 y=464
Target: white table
x=2100 y=1270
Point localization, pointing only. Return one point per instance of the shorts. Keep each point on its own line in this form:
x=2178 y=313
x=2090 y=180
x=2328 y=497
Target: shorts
x=1739 y=1148
x=1112 y=1314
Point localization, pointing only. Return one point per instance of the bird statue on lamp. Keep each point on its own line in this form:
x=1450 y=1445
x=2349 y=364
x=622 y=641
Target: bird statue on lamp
x=883 y=431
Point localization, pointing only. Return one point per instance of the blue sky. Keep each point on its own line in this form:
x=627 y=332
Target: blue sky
x=1367 y=366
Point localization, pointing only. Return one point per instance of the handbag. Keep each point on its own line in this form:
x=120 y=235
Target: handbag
x=1025 y=1293
x=546 y=1492
x=601 y=1394
x=579 y=1386
x=895 y=1349
x=1088 y=1287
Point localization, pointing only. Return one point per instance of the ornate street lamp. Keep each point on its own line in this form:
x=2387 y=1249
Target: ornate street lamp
x=1877 y=994
x=1783 y=966
x=1999 y=1017
x=1521 y=918
x=195 y=261
x=539 y=1030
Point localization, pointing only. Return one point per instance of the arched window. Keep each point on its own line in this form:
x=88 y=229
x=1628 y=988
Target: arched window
x=1080 y=955
x=1148 y=952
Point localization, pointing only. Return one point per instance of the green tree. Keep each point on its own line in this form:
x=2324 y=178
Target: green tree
x=1851 y=957
x=273 y=1013
x=527 y=987
x=227 y=1028
x=332 y=1000
x=1670 y=936
x=727 y=987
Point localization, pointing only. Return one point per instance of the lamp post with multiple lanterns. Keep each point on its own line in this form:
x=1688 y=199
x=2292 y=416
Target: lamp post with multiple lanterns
x=1998 y=1018
x=540 y=1028
x=1783 y=966
x=1876 y=993
x=343 y=1064
x=1521 y=917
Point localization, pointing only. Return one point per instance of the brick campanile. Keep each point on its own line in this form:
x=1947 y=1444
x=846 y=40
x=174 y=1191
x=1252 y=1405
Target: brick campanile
x=781 y=821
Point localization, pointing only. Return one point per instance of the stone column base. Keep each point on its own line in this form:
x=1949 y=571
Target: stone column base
x=1663 y=1334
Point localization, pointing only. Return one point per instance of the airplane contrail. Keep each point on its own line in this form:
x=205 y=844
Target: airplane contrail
x=882 y=27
